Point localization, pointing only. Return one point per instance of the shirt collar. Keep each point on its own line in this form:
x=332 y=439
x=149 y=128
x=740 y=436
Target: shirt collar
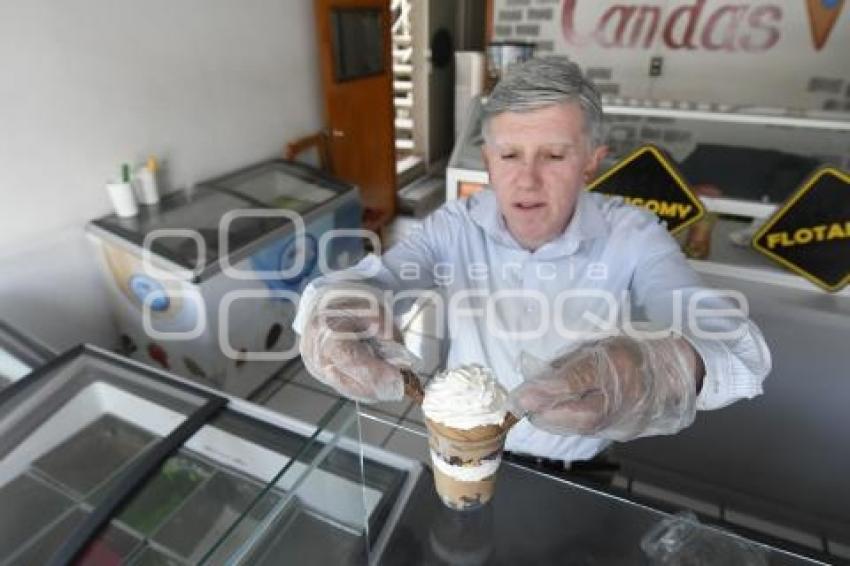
x=587 y=223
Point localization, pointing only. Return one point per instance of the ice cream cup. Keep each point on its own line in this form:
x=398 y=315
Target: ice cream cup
x=465 y=462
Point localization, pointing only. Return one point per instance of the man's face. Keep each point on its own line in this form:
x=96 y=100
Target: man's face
x=538 y=162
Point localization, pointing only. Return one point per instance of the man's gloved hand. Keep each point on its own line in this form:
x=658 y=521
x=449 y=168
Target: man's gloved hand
x=619 y=388
x=345 y=344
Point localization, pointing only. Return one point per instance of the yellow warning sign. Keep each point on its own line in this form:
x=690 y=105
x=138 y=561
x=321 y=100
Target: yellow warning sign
x=647 y=178
x=810 y=233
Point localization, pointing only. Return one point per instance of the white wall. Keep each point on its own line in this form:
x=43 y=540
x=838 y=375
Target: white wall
x=209 y=85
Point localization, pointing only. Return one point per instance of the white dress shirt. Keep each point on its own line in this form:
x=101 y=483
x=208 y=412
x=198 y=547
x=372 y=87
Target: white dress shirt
x=506 y=306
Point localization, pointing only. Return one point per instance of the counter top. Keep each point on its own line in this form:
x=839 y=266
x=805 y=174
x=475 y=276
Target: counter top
x=539 y=519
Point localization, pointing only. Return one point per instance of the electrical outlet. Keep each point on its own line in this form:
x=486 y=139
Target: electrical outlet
x=656 y=65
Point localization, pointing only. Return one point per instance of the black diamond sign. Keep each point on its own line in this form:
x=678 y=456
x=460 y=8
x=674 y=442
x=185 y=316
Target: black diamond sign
x=810 y=233
x=647 y=177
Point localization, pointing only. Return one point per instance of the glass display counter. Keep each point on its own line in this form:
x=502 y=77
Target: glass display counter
x=105 y=461
x=535 y=518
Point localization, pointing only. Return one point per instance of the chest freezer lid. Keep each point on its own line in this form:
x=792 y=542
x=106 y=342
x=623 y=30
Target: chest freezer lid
x=282 y=184
x=92 y=406
x=182 y=223
x=79 y=402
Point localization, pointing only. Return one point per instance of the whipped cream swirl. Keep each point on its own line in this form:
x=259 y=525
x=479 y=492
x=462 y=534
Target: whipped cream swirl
x=465 y=397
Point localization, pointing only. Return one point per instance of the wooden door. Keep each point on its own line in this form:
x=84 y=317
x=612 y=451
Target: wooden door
x=356 y=70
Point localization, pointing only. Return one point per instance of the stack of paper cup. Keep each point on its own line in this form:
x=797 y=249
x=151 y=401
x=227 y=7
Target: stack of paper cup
x=123 y=199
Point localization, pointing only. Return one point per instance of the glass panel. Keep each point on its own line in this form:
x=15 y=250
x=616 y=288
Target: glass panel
x=357 y=42
x=29 y=503
x=328 y=506
x=467 y=151
x=261 y=545
x=572 y=523
x=12 y=368
x=152 y=557
x=273 y=184
x=201 y=212
x=19 y=355
x=178 y=478
x=750 y=154
x=90 y=456
x=216 y=486
x=67 y=435
x=742 y=153
x=280 y=186
x=211 y=511
x=110 y=547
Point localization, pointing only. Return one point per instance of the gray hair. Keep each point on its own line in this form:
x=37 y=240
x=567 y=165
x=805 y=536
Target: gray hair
x=542 y=82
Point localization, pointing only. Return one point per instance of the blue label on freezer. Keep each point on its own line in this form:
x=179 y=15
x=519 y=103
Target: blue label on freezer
x=306 y=248
x=142 y=286
x=281 y=257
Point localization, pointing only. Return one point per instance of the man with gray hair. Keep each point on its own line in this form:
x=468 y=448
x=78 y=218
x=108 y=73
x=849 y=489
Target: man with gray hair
x=550 y=312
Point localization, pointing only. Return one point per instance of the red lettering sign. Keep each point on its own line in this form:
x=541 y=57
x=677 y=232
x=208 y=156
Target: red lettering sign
x=691 y=25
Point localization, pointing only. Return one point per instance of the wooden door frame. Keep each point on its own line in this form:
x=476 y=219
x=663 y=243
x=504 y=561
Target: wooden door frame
x=489 y=16
x=372 y=219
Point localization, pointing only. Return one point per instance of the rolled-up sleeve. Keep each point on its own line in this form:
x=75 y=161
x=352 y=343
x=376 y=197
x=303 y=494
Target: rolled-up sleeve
x=714 y=321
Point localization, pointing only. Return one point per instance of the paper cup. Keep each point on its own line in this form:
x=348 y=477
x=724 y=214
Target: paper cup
x=123 y=200
x=465 y=463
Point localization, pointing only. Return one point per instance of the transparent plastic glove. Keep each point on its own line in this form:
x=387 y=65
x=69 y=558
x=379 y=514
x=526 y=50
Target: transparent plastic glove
x=619 y=388
x=351 y=344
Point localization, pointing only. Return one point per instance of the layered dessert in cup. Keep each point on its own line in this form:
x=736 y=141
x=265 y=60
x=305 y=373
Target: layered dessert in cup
x=466 y=414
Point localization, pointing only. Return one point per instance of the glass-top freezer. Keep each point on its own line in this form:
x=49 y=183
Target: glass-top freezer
x=110 y=462
x=211 y=210
x=281 y=185
x=206 y=283
x=201 y=211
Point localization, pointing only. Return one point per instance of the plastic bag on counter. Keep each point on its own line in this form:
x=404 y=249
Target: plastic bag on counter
x=680 y=540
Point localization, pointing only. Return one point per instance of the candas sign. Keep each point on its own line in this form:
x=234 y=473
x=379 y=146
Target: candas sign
x=716 y=26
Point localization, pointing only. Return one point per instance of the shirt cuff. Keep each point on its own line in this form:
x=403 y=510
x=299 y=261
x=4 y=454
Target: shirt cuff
x=305 y=305
x=727 y=378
